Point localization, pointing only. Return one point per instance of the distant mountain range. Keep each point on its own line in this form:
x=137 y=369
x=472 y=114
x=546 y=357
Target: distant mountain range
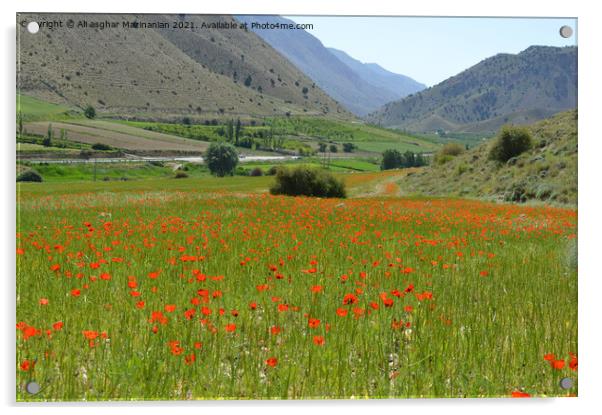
x=359 y=87
x=505 y=88
x=156 y=71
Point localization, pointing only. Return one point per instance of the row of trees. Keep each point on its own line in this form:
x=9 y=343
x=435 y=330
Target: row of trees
x=394 y=159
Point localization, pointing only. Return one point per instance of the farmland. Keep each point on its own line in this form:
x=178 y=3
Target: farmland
x=211 y=288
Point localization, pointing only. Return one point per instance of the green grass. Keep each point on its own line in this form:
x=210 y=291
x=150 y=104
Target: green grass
x=469 y=334
x=33 y=109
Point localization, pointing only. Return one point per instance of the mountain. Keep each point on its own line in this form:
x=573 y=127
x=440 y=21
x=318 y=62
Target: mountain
x=547 y=172
x=150 y=69
x=505 y=88
x=340 y=81
x=399 y=85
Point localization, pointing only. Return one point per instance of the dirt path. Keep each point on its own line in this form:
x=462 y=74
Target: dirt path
x=387 y=187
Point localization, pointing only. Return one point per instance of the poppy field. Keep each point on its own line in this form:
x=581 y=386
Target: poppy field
x=163 y=295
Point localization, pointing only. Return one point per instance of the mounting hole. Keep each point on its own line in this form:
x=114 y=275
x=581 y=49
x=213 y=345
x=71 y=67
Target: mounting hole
x=566 y=31
x=566 y=383
x=33 y=27
x=32 y=387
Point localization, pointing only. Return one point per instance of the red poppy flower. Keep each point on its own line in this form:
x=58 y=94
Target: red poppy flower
x=58 y=325
x=230 y=328
x=26 y=365
x=349 y=299
x=43 y=301
x=272 y=362
x=519 y=394
x=557 y=364
x=313 y=323
x=319 y=340
x=342 y=312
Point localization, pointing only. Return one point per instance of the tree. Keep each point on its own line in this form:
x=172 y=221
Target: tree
x=237 y=131
x=230 y=131
x=90 y=112
x=248 y=80
x=409 y=159
x=510 y=142
x=333 y=148
x=392 y=159
x=322 y=147
x=221 y=159
x=47 y=141
x=349 y=147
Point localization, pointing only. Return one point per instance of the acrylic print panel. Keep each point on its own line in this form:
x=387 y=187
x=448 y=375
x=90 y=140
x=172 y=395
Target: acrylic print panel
x=295 y=207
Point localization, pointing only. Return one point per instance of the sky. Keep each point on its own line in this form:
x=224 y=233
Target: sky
x=431 y=49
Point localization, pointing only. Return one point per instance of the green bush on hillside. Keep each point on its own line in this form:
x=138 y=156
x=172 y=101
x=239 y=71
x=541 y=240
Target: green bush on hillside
x=305 y=181
x=510 y=142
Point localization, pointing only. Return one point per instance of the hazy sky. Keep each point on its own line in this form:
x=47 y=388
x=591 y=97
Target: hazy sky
x=429 y=49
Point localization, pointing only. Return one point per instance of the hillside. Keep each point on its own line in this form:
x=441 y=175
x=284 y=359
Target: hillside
x=332 y=75
x=548 y=172
x=400 y=85
x=505 y=88
x=151 y=71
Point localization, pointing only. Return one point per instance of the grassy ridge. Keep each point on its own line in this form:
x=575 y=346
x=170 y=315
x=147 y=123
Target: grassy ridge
x=548 y=172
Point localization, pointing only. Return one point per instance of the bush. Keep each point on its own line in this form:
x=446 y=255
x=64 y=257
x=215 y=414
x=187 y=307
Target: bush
x=451 y=149
x=305 y=181
x=90 y=112
x=333 y=148
x=221 y=158
x=510 y=142
x=101 y=146
x=29 y=176
x=349 y=147
x=181 y=175
x=272 y=171
x=256 y=172
x=392 y=159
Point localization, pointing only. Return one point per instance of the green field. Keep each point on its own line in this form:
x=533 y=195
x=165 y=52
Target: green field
x=205 y=288
x=33 y=109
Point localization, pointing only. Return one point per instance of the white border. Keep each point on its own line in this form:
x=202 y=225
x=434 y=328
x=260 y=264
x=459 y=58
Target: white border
x=590 y=231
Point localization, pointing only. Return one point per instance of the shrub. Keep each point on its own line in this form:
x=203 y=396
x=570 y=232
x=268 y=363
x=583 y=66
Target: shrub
x=90 y=112
x=349 y=147
x=305 y=181
x=272 y=171
x=392 y=159
x=333 y=148
x=451 y=149
x=181 y=175
x=256 y=172
x=29 y=176
x=442 y=158
x=221 y=158
x=510 y=142
x=101 y=146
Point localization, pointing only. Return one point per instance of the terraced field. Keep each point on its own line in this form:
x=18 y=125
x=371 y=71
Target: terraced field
x=116 y=135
